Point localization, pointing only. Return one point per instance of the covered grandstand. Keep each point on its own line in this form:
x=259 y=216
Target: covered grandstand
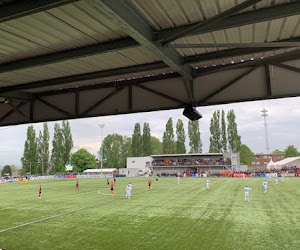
x=194 y=164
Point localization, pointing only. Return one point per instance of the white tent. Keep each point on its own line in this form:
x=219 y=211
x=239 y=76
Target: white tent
x=271 y=165
x=288 y=162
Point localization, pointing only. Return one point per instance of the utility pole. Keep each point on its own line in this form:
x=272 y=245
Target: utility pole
x=101 y=151
x=264 y=114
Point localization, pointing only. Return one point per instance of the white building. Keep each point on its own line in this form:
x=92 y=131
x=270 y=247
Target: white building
x=136 y=166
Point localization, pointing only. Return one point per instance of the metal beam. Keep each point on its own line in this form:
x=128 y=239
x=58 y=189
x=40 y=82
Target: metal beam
x=69 y=115
x=268 y=80
x=251 y=17
x=112 y=84
x=130 y=98
x=18 y=95
x=292 y=55
x=77 y=102
x=285 y=66
x=122 y=14
x=11 y=111
x=84 y=77
x=230 y=53
x=227 y=85
x=236 y=45
x=69 y=54
x=161 y=94
x=101 y=101
x=19 y=111
x=24 y=8
x=31 y=114
x=211 y=21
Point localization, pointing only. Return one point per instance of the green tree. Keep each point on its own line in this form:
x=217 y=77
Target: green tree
x=157 y=146
x=215 y=145
x=168 y=138
x=57 y=161
x=180 y=133
x=277 y=151
x=137 y=141
x=14 y=169
x=147 y=149
x=126 y=150
x=246 y=155
x=291 y=151
x=234 y=140
x=67 y=141
x=82 y=160
x=6 y=170
x=30 y=154
x=43 y=149
x=195 y=137
x=115 y=150
x=223 y=132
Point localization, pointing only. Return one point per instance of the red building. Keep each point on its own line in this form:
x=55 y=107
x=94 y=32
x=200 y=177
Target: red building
x=260 y=161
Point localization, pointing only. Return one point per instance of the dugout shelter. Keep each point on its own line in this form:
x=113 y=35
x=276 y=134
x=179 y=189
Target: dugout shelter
x=68 y=59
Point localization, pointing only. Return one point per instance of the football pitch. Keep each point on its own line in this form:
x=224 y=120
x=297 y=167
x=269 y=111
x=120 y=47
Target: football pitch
x=170 y=216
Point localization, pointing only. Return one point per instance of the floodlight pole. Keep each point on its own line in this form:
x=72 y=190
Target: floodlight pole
x=101 y=151
x=264 y=115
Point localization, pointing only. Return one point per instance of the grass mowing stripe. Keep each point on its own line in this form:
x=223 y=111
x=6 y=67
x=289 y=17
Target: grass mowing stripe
x=61 y=214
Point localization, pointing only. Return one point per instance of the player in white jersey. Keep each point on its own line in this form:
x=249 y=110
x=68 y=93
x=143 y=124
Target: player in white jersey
x=247 y=189
x=178 y=180
x=282 y=177
x=276 y=180
x=265 y=186
x=128 y=191
x=270 y=177
x=207 y=183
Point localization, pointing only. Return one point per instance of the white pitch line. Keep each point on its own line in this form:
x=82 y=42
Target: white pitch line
x=57 y=215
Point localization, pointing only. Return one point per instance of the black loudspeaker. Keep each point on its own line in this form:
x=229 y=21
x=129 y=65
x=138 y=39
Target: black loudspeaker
x=191 y=113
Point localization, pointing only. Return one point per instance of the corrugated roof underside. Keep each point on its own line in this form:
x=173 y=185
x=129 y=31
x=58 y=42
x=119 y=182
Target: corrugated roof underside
x=170 y=13
x=63 y=28
x=112 y=60
x=278 y=29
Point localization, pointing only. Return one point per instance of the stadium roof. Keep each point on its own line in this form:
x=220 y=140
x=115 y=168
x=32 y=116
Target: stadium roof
x=67 y=59
x=103 y=170
x=184 y=155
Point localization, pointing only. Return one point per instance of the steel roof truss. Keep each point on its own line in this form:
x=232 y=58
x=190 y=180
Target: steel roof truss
x=227 y=85
x=125 y=16
x=209 y=22
x=24 y=8
x=55 y=107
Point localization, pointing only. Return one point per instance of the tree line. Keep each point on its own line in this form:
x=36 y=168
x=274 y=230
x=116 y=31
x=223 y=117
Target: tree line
x=36 y=156
x=116 y=148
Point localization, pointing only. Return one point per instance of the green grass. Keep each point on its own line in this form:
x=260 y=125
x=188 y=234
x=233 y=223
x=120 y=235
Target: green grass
x=171 y=216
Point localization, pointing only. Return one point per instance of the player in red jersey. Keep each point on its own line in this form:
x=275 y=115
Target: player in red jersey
x=40 y=192
x=149 y=184
x=77 y=185
x=112 y=188
x=107 y=181
x=115 y=179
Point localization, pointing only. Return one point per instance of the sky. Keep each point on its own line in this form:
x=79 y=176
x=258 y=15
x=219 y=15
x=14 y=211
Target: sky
x=283 y=123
